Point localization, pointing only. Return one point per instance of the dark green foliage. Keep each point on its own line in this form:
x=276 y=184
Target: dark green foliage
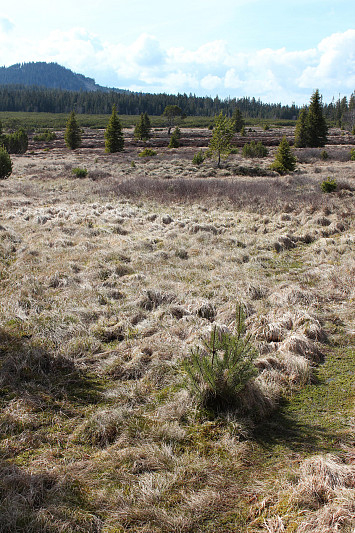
x=324 y=155
x=80 y=172
x=174 y=140
x=46 y=136
x=171 y=112
x=317 y=128
x=5 y=164
x=147 y=152
x=198 y=158
x=222 y=135
x=38 y=99
x=15 y=143
x=352 y=154
x=143 y=127
x=285 y=161
x=242 y=131
x=301 y=131
x=254 y=149
x=217 y=374
x=328 y=185
x=114 y=140
x=72 y=135
x=237 y=121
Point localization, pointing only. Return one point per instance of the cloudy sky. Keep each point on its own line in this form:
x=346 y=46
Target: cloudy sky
x=278 y=51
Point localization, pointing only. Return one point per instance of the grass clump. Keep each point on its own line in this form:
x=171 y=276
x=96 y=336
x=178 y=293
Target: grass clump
x=147 y=152
x=80 y=172
x=254 y=149
x=217 y=374
x=324 y=155
x=328 y=185
x=352 y=154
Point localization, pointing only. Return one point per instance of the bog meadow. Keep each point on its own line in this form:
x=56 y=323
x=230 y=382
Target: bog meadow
x=177 y=333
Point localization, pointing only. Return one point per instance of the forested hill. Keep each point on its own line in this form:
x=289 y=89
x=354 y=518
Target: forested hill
x=50 y=75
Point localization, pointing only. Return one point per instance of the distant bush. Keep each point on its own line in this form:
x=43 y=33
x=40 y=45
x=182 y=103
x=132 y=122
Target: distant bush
x=266 y=127
x=15 y=143
x=254 y=149
x=210 y=126
x=324 y=155
x=217 y=374
x=242 y=131
x=234 y=151
x=5 y=164
x=147 y=152
x=45 y=136
x=80 y=172
x=352 y=155
x=328 y=185
x=198 y=158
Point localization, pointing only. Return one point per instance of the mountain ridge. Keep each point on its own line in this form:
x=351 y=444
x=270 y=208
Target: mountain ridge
x=50 y=76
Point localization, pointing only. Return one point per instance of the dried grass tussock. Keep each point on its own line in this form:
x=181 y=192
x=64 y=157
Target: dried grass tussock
x=108 y=286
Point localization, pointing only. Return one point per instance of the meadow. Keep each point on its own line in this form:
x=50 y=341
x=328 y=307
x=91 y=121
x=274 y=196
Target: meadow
x=109 y=282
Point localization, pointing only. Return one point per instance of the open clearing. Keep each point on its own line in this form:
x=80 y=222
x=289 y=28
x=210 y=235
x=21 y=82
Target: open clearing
x=108 y=281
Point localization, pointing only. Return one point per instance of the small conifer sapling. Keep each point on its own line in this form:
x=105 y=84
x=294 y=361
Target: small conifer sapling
x=72 y=134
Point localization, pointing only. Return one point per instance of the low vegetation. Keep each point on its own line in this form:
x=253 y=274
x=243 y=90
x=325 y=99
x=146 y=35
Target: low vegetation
x=133 y=397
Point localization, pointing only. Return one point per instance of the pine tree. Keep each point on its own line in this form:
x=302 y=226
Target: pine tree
x=171 y=112
x=285 y=161
x=301 y=131
x=237 y=121
x=317 y=129
x=72 y=134
x=143 y=127
x=114 y=141
x=222 y=135
x=5 y=164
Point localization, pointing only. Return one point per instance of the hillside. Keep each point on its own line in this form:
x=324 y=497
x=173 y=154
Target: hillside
x=50 y=75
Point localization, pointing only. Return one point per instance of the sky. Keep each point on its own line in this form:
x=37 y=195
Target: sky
x=278 y=51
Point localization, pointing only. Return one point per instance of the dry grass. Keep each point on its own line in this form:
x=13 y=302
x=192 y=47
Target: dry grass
x=107 y=282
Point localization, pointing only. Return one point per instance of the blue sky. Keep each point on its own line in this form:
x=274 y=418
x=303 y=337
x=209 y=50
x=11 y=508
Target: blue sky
x=273 y=50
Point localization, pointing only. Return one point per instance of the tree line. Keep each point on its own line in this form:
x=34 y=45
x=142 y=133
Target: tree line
x=36 y=99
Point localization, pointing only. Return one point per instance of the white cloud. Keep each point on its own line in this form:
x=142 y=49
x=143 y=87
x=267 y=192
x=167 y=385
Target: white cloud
x=212 y=68
x=6 y=25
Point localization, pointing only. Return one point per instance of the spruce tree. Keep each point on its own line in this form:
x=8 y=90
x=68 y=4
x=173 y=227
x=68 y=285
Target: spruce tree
x=72 y=134
x=317 y=129
x=301 y=131
x=285 y=161
x=143 y=127
x=237 y=121
x=114 y=141
x=222 y=135
x=174 y=139
x=5 y=164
